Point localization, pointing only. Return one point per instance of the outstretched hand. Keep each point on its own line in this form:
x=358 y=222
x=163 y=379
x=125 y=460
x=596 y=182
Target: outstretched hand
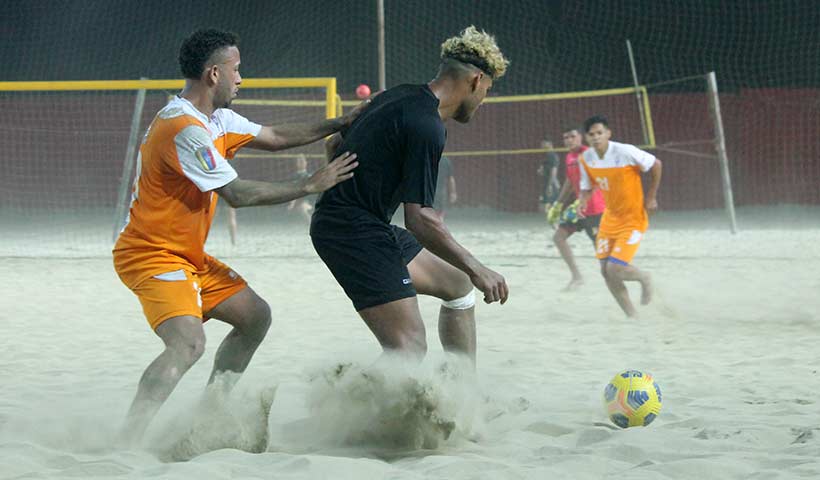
x=339 y=170
x=492 y=284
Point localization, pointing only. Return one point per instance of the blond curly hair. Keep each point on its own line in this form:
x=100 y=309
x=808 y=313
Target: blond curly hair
x=478 y=48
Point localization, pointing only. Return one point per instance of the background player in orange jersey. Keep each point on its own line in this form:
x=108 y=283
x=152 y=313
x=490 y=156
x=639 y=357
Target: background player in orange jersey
x=182 y=168
x=616 y=170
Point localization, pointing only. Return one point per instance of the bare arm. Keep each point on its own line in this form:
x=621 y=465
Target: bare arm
x=564 y=194
x=431 y=232
x=280 y=137
x=582 y=202
x=246 y=193
x=652 y=192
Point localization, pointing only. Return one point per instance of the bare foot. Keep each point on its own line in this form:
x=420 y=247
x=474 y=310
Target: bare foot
x=573 y=285
x=646 y=289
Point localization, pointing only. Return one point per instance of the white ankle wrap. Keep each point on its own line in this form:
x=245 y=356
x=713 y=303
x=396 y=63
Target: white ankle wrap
x=463 y=303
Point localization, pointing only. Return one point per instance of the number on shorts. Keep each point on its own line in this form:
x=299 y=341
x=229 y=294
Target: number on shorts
x=603 y=245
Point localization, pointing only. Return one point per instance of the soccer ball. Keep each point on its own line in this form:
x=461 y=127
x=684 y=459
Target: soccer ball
x=632 y=398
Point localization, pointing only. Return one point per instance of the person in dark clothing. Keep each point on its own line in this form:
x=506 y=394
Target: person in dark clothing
x=549 y=170
x=399 y=140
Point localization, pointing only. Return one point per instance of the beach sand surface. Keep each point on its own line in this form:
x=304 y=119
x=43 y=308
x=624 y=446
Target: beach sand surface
x=732 y=338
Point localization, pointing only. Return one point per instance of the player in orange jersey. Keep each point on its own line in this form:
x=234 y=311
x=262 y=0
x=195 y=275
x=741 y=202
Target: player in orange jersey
x=182 y=168
x=616 y=168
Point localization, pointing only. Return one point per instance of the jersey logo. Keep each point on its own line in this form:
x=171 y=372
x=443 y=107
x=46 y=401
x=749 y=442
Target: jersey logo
x=206 y=158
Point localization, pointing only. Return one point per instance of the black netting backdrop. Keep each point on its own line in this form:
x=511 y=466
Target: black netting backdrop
x=63 y=152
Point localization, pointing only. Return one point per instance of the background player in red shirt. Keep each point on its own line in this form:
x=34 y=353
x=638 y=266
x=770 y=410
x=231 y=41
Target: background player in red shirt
x=571 y=222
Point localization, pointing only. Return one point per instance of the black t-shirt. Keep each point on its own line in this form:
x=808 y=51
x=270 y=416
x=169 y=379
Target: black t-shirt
x=399 y=140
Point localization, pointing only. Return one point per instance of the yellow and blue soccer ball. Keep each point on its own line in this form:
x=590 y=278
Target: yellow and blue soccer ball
x=632 y=399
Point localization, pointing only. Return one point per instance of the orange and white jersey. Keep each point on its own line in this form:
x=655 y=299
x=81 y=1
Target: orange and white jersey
x=181 y=161
x=618 y=176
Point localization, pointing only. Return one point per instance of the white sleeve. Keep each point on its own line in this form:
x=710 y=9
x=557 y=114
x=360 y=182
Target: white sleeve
x=238 y=131
x=638 y=157
x=201 y=162
x=585 y=184
x=232 y=122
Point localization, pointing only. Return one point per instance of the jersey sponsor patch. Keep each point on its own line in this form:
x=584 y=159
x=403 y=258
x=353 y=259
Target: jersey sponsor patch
x=206 y=158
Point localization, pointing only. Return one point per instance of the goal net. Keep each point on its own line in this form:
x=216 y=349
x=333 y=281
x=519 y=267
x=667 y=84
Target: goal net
x=65 y=148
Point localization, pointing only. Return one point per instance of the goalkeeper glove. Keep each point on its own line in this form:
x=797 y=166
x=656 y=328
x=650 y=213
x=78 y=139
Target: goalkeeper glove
x=570 y=214
x=554 y=213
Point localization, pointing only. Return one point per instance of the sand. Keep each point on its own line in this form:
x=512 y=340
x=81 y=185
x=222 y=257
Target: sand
x=732 y=341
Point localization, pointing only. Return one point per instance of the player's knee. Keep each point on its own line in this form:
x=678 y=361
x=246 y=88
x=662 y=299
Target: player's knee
x=463 y=286
x=614 y=270
x=260 y=320
x=465 y=302
x=457 y=288
x=189 y=350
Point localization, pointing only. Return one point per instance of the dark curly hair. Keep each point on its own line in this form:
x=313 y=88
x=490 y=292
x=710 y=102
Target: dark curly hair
x=198 y=48
x=589 y=122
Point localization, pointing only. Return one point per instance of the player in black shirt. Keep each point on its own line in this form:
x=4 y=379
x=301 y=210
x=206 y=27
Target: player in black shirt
x=399 y=140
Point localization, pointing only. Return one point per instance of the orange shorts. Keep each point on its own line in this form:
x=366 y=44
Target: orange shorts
x=180 y=292
x=619 y=248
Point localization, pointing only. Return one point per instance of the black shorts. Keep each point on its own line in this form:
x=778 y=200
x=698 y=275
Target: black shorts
x=371 y=269
x=588 y=224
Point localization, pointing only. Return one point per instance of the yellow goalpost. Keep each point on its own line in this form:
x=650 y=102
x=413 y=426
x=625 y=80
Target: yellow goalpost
x=328 y=83
x=647 y=143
